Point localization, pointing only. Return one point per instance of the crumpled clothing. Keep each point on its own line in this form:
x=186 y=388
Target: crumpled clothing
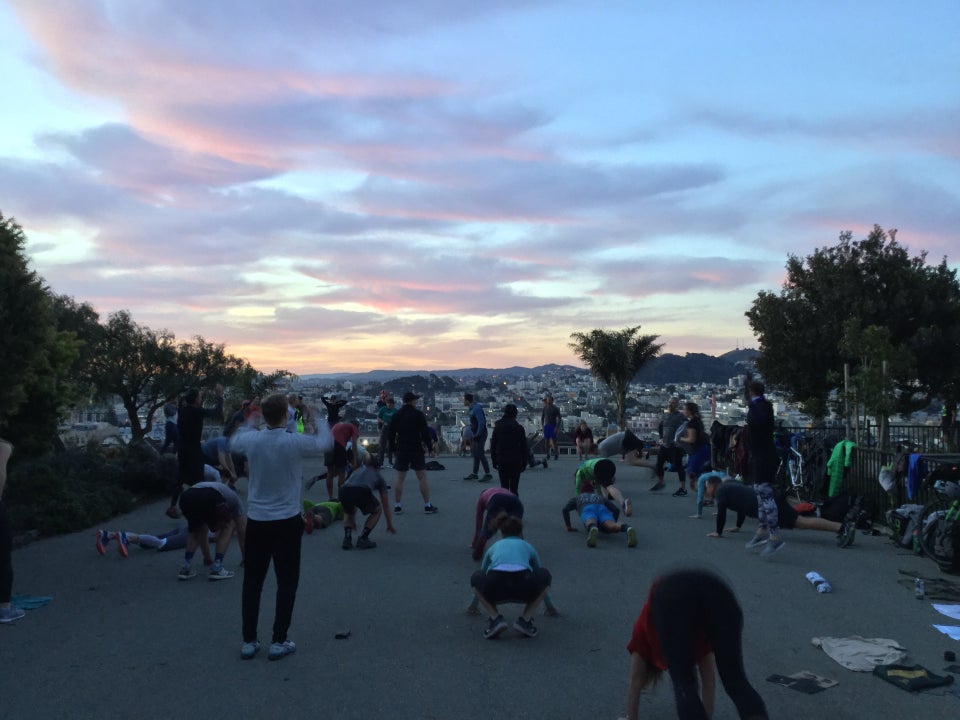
x=860 y=653
x=911 y=677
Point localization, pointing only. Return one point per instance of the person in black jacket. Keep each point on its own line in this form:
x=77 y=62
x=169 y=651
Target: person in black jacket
x=408 y=437
x=190 y=417
x=508 y=449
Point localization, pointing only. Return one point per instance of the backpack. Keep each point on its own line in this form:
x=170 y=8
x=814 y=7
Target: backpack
x=902 y=522
x=946 y=541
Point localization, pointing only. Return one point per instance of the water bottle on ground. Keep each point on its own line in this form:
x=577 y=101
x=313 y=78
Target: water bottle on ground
x=919 y=589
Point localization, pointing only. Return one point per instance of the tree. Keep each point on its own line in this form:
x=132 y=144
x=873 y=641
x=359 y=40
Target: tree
x=614 y=358
x=876 y=283
x=34 y=357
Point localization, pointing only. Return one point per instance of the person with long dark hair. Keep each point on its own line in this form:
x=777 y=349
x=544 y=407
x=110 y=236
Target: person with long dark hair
x=691 y=621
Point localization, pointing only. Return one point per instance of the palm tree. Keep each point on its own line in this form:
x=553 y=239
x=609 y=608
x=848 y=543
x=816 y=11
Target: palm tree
x=615 y=357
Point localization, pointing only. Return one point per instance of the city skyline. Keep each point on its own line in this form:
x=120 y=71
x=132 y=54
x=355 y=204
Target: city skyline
x=333 y=187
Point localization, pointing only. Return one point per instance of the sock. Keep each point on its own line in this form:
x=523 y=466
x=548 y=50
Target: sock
x=365 y=533
x=347 y=533
x=218 y=559
x=122 y=536
x=624 y=528
x=187 y=558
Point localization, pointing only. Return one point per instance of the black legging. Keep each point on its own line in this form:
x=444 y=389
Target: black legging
x=510 y=477
x=673 y=455
x=6 y=562
x=685 y=603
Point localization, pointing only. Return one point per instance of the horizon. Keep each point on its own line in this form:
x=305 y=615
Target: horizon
x=476 y=184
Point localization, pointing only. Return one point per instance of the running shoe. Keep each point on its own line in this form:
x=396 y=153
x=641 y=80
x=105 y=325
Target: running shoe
x=846 y=534
x=682 y=492
x=593 y=536
x=757 y=540
x=219 y=572
x=486 y=478
x=525 y=627
x=186 y=573
x=631 y=537
x=397 y=509
x=280 y=650
x=496 y=627
x=123 y=545
x=658 y=486
x=10 y=614
x=347 y=543
x=249 y=650
x=472 y=476
x=365 y=543
x=103 y=538
x=430 y=509
x=772 y=548
x=627 y=507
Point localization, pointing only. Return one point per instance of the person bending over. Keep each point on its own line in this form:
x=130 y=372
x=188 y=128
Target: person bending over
x=691 y=621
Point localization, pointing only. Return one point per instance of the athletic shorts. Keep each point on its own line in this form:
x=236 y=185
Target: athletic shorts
x=523 y=586
x=204 y=506
x=600 y=513
x=549 y=432
x=337 y=457
x=358 y=498
x=698 y=460
x=410 y=460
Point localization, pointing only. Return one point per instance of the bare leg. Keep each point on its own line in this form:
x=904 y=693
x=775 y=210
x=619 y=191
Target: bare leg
x=815 y=523
x=531 y=607
x=424 y=488
x=398 y=486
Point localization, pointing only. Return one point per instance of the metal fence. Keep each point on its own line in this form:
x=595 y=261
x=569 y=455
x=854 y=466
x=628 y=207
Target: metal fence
x=866 y=462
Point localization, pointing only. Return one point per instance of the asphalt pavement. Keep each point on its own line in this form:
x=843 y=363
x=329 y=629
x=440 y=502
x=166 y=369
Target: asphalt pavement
x=123 y=638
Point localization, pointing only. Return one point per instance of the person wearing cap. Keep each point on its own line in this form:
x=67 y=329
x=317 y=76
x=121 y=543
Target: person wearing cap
x=550 y=418
x=508 y=449
x=478 y=438
x=407 y=437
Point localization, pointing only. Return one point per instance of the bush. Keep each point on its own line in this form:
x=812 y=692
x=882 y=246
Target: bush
x=80 y=487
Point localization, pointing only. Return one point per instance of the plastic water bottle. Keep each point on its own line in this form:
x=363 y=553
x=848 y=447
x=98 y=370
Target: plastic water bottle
x=819 y=582
x=919 y=589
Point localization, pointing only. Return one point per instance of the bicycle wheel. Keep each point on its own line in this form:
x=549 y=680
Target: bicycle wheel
x=927 y=524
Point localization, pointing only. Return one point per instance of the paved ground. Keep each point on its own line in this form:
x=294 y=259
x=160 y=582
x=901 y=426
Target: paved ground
x=123 y=638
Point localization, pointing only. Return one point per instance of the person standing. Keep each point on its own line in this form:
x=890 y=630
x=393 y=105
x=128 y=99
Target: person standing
x=344 y=434
x=550 y=419
x=669 y=451
x=190 y=463
x=171 y=438
x=274 y=523
x=8 y=613
x=696 y=442
x=508 y=449
x=763 y=469
x=691 y=620
x=408 y=436
x=333 y=405
x=478 y=438
x=384 y=415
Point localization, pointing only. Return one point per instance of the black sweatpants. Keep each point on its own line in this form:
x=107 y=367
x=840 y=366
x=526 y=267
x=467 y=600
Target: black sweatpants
x=681 y=605
x=510 y=477
x=6 y=550
x=277 y=540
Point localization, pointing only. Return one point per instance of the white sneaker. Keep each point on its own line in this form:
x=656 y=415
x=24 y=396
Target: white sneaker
x=249 y=650
x=280 y=650
x=757 y=541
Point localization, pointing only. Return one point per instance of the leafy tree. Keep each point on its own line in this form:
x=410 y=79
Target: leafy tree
x=34 y=357
x=615 y=357
x=876 y=283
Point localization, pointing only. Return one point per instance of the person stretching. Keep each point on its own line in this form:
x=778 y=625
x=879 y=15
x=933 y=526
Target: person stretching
x=691 y=619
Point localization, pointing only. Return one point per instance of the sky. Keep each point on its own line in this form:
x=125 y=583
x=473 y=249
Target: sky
x=341 y=186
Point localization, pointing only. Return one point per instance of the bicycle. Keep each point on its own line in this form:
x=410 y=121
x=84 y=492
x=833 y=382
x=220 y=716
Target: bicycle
x=945 y=506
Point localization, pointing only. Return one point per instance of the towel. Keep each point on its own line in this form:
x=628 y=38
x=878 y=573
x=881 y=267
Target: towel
x=30 y=602
x=860 y=653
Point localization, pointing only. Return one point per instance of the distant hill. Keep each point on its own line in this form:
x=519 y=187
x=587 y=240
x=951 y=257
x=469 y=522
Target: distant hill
x=696 y=368
x=667 y=369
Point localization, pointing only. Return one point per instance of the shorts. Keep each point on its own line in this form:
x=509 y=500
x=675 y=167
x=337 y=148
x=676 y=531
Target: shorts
x=523 y=586
x=698 y=460
x=204 y=506
x=549 y=432
x=600 y=513
x=358 y=498
x=336 y=458
x=410 y=460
